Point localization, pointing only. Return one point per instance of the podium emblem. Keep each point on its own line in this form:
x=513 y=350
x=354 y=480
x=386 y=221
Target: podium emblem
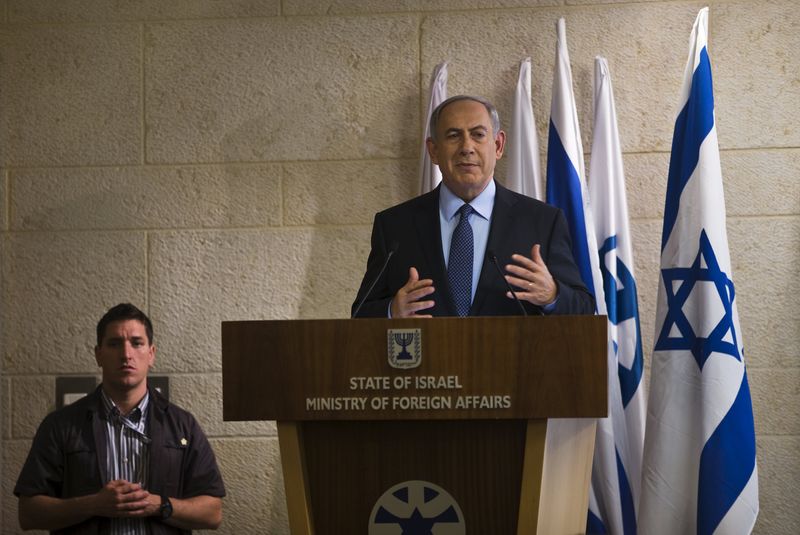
x=405 y=347
x=416 y=508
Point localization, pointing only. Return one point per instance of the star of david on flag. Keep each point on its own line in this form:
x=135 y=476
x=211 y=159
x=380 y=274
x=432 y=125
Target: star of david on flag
x=699 y=471
x=681 y=284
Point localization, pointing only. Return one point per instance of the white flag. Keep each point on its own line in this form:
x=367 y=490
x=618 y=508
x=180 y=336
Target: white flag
x=430 y=176
x=699 y=469
x=617 y=472
x=524 y=175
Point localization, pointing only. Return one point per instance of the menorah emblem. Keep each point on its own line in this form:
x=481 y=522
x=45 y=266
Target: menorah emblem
x=404 y=339
x=405 y=347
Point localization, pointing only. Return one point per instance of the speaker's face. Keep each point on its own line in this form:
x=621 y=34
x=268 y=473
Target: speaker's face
x=466 y=150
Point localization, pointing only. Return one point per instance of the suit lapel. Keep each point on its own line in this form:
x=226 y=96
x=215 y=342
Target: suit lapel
x=429 y=235
x=99 y=435
x=155 y=431
x=500 y=229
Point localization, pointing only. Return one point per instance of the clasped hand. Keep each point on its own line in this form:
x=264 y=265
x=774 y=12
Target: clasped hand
x=120 y=498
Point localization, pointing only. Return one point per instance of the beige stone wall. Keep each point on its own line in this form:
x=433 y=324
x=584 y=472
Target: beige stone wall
x=216 y=160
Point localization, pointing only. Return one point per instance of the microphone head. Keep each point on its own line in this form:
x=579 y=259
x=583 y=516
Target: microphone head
x=393 y=247
x=491 y=255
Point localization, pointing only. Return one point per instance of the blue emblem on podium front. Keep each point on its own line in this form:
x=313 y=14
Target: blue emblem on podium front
x=416 y=508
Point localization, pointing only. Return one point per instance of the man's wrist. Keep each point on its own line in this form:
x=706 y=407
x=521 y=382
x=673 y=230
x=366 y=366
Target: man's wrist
x=85 y=506
x=165 y=508
x=549 y=307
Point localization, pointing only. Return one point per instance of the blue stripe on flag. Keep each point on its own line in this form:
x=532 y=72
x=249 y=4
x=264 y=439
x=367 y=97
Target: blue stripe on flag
x=691 y=128
x=625 y=499
x=727 y=462
x=594 y=526
x=622 y=306
x=564 y=191
x=629 y=379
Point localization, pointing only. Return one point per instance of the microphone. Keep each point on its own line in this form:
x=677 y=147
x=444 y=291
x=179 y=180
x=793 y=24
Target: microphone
x=392 y=249
x=493 y=258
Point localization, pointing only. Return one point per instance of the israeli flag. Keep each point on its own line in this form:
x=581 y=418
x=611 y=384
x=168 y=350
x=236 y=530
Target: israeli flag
x=566 y=182
x=699 y=469
x=430 y=176
x=566 y=189
x=524 y=171
x=616 y=478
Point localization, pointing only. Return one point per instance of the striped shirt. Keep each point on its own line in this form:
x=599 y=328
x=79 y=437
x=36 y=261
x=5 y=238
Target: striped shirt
x=128 y=455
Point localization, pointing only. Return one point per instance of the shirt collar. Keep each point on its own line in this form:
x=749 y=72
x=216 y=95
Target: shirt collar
x=137 y=412
x=449 y=202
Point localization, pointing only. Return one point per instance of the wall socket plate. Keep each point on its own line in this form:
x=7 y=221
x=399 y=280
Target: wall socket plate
x=70 y=389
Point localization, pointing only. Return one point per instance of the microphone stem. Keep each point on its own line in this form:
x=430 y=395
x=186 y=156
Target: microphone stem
x=374 y=282
x=493 y=258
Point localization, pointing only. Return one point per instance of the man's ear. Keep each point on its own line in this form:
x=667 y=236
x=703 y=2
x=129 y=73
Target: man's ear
x=430 y=144
x=97 y=355
x=500 y=144
x=152 y=355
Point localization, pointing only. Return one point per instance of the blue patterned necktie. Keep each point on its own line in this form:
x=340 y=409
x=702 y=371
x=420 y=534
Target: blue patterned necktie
x=459 y=264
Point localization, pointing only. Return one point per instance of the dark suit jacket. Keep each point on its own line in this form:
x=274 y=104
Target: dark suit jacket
x=518 y=223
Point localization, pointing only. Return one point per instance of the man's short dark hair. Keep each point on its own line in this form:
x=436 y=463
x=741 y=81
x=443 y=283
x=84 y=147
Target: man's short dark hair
x=437 y=112
x=122 y=312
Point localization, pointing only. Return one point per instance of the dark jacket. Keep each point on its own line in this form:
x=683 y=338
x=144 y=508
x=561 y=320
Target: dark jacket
x=68 y=458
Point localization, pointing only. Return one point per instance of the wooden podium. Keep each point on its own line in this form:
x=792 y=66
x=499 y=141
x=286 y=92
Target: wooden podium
x=498 y=413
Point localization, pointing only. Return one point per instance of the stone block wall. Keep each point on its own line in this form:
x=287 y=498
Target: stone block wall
x=214 y=161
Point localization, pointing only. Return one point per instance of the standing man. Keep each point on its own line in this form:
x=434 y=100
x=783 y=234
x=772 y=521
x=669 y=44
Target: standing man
x=122 y=460
x=444 y=243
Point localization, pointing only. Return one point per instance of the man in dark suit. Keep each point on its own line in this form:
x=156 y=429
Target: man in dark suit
x=434 y=255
